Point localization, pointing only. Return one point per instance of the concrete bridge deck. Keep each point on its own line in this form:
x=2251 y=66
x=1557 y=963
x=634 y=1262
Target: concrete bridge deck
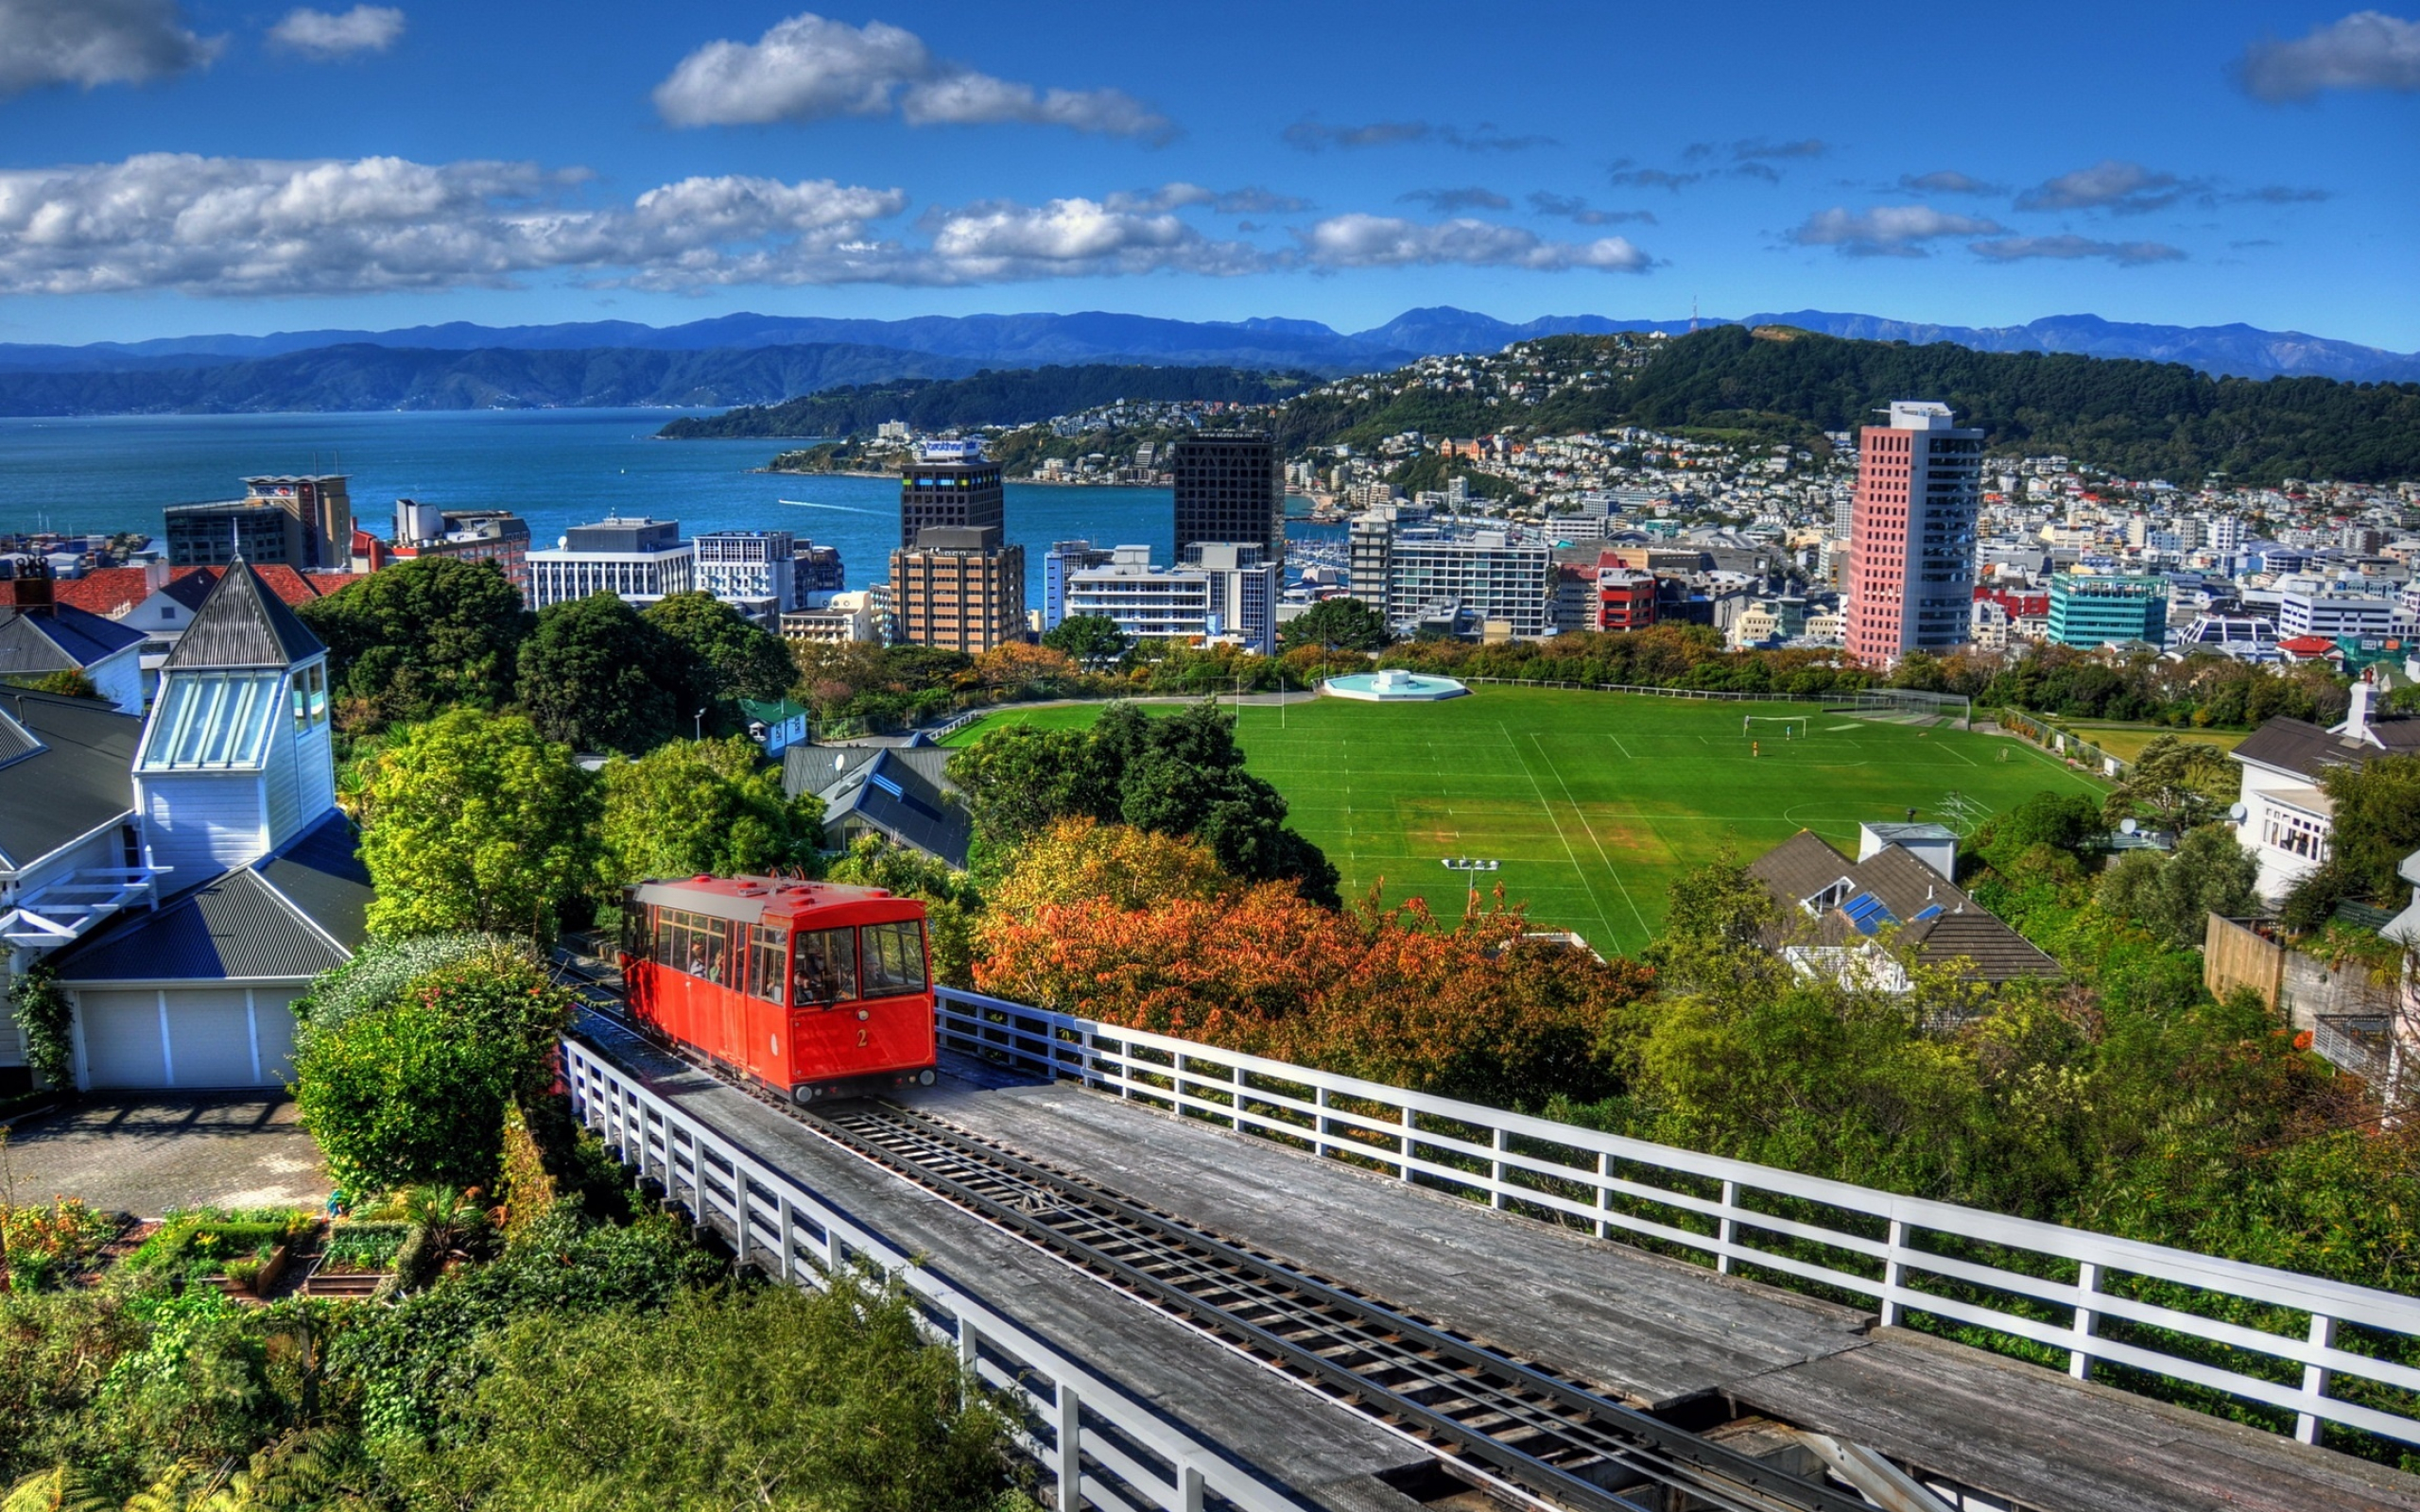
x=1653 y=1332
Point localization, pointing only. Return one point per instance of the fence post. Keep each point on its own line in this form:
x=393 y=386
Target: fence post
x=789 y=1240
x=970 y=1357
x=1192 y=1488
x=1495 y=1171
x=2322 y=1337
x=1318 y=1122
x=1408 y=1130
x=2087 y=1319
x=1723 y=1230
x=1604 y=1191
x=1071 y=1448
x=1891 y=1272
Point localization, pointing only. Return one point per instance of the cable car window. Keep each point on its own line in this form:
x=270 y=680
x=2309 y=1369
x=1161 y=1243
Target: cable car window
x=827 y=967
x=895 y=955
x=636 y=938
x=769 y=962
x=668 y=950
x=706 y=949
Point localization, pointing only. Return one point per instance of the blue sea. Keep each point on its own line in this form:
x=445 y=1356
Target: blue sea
x=557 y=468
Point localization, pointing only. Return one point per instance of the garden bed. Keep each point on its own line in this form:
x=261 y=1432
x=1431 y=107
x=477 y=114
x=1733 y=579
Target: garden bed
x=242 y=1253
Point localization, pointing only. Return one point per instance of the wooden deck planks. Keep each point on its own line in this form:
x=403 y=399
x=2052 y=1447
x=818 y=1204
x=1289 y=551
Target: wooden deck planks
x=1662 y=1331
x=1323 y=1453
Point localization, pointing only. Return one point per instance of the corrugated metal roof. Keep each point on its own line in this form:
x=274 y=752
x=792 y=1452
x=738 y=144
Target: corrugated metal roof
x=2298 y=746
x=1890 y=885
x=274 y=919
x=899 y=801
x=242 y=625
x=59 y=638
x=77 y=777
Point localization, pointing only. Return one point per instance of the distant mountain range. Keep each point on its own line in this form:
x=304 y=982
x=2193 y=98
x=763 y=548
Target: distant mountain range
x=738 y=359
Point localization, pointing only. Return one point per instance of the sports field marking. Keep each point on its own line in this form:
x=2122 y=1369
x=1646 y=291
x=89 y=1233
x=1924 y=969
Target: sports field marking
x=1959 y=754
x=1590 y=830
x=1567 y=850
x=1618 y=746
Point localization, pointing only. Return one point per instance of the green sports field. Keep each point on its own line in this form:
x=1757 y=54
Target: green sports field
x=1591 y=803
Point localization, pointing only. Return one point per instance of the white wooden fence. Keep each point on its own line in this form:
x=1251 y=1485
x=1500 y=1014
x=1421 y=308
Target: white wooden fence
x=1102 y=1449
x=1785 y=1228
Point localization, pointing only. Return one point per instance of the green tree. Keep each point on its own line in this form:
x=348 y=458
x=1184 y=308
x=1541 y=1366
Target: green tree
x=415 y=1089
x=2376 y=823
x=474 y=821
x=703 y=807
x=2173 y=896
x=2176 y=783
x=1020 y=779
x=2066 y=823
x=597 y=676
x=789 y=1400
x=420 y=636
x=952 y=902
x=1092 y=640
x=1337 y=624
x=724 y=654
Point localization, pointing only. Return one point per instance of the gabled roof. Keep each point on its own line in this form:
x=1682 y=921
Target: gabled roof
x=2299 y=746
x=894 y=798
x=59 y=639
x=289 y=916
x=1937 y=921
x=113 y=591
x=66 y=769
x=242 y=625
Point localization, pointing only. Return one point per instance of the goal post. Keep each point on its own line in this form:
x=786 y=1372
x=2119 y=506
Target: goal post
x=1789 y=727
x=1910 y=706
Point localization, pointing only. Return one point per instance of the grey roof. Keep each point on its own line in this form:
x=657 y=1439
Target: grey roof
x=892 y=797
x=826 y=771
x=240 y=625
x=272 y=919
x=2298 y=746
x=1939 y=922
x=1895 y=834
x=67 y=768
x=58 y=638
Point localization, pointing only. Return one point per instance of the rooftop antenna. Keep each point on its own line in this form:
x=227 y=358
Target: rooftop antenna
x=1693 y=315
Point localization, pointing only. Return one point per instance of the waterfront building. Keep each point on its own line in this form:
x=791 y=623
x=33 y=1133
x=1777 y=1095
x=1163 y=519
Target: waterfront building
x=834 y=619
x=1144 y=601
x=2094 y=610
x=958 y=588
x=764 y=573
x=1911 y=534
x=1435 y=575
x=639 y=561
x=1230 y=487
x=1064 y=558
x=472 y=535
x=1244 y=587
x=950 y=485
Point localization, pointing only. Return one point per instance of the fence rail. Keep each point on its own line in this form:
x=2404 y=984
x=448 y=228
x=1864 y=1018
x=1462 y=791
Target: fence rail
x=2095 y=1297
x=1102 y=1449
x=2041 y=733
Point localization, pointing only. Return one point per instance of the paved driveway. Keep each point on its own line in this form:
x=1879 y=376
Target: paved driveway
x=145 y=1155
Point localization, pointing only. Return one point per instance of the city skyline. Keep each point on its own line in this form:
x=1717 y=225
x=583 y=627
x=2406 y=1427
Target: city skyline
x=2241 y=163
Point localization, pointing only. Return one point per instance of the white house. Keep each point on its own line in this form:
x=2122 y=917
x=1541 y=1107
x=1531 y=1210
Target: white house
x=232 y=789
x=37 y=639
x=2287 y=818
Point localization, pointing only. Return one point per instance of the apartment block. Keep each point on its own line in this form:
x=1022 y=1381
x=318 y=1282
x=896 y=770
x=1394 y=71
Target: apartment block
x=958 y=588
x=1911 y=534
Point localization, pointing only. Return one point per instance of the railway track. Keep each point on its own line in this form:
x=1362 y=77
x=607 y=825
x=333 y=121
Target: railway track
x=1509 y=1426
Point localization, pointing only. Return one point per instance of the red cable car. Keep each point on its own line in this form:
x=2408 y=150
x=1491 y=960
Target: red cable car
x=804 y=987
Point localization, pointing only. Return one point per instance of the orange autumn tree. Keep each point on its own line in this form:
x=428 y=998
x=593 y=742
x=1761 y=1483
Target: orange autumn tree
x=1473 y=1010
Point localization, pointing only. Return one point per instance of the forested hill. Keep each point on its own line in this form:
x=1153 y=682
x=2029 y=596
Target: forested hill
x=2142 y=418
x=1016 y=397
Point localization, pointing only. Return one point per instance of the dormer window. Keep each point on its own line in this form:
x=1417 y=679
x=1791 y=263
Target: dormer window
x=310 y=697
x=211 y=720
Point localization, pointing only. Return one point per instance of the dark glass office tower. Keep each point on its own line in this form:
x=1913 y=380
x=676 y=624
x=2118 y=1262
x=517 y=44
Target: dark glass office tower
x=949 y=486
x=1230 y=488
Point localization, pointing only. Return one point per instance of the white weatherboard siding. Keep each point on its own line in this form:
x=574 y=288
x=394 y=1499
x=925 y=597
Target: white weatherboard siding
x=282 y=786
x=203 y=823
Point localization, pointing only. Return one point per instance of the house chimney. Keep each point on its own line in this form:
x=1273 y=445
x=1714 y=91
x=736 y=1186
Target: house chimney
x=33 y=586
x=2356 y=722
x=155 y=575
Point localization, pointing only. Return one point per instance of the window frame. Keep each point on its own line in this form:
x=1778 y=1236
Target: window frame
x=892 y=929
x=849 y=979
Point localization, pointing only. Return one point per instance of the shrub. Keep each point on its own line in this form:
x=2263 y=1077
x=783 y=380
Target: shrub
x=47 y=1243
x=379 y=971
x=360 y=1248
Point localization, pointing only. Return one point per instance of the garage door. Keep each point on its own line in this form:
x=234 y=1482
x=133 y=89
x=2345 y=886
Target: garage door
x=122 y=1039
x=210 y=1038
x=273 y=1017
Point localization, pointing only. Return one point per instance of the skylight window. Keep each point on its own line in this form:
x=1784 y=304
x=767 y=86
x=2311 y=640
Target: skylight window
x=212 y=721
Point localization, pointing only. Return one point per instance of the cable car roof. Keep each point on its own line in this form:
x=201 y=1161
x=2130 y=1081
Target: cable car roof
x=772 y=900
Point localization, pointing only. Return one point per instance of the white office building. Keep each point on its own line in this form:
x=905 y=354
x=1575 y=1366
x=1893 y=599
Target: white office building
x=636 y=560
x=1414 y=573
x=1244 y=588
x=752 y=571
x=1144 y=601
x=2332 y=612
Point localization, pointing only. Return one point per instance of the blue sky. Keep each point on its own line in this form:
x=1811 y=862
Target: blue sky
x=172 y=167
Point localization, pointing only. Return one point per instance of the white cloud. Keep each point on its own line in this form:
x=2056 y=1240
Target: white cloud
x=2069 y=249
x=1358 y=240
x=810 y=68
x=325 y=35
x=1888 y=230
x=95 y=41
x=1249 y=200
x=2127 y=188
x=242 y=225
x=2367 y=49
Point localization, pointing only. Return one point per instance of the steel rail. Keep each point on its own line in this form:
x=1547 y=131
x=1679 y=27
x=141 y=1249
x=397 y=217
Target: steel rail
x=1523 y=1423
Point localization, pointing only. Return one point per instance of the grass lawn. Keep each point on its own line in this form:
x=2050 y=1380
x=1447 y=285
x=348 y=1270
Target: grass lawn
x=1593 y=802
x=2126 y=742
